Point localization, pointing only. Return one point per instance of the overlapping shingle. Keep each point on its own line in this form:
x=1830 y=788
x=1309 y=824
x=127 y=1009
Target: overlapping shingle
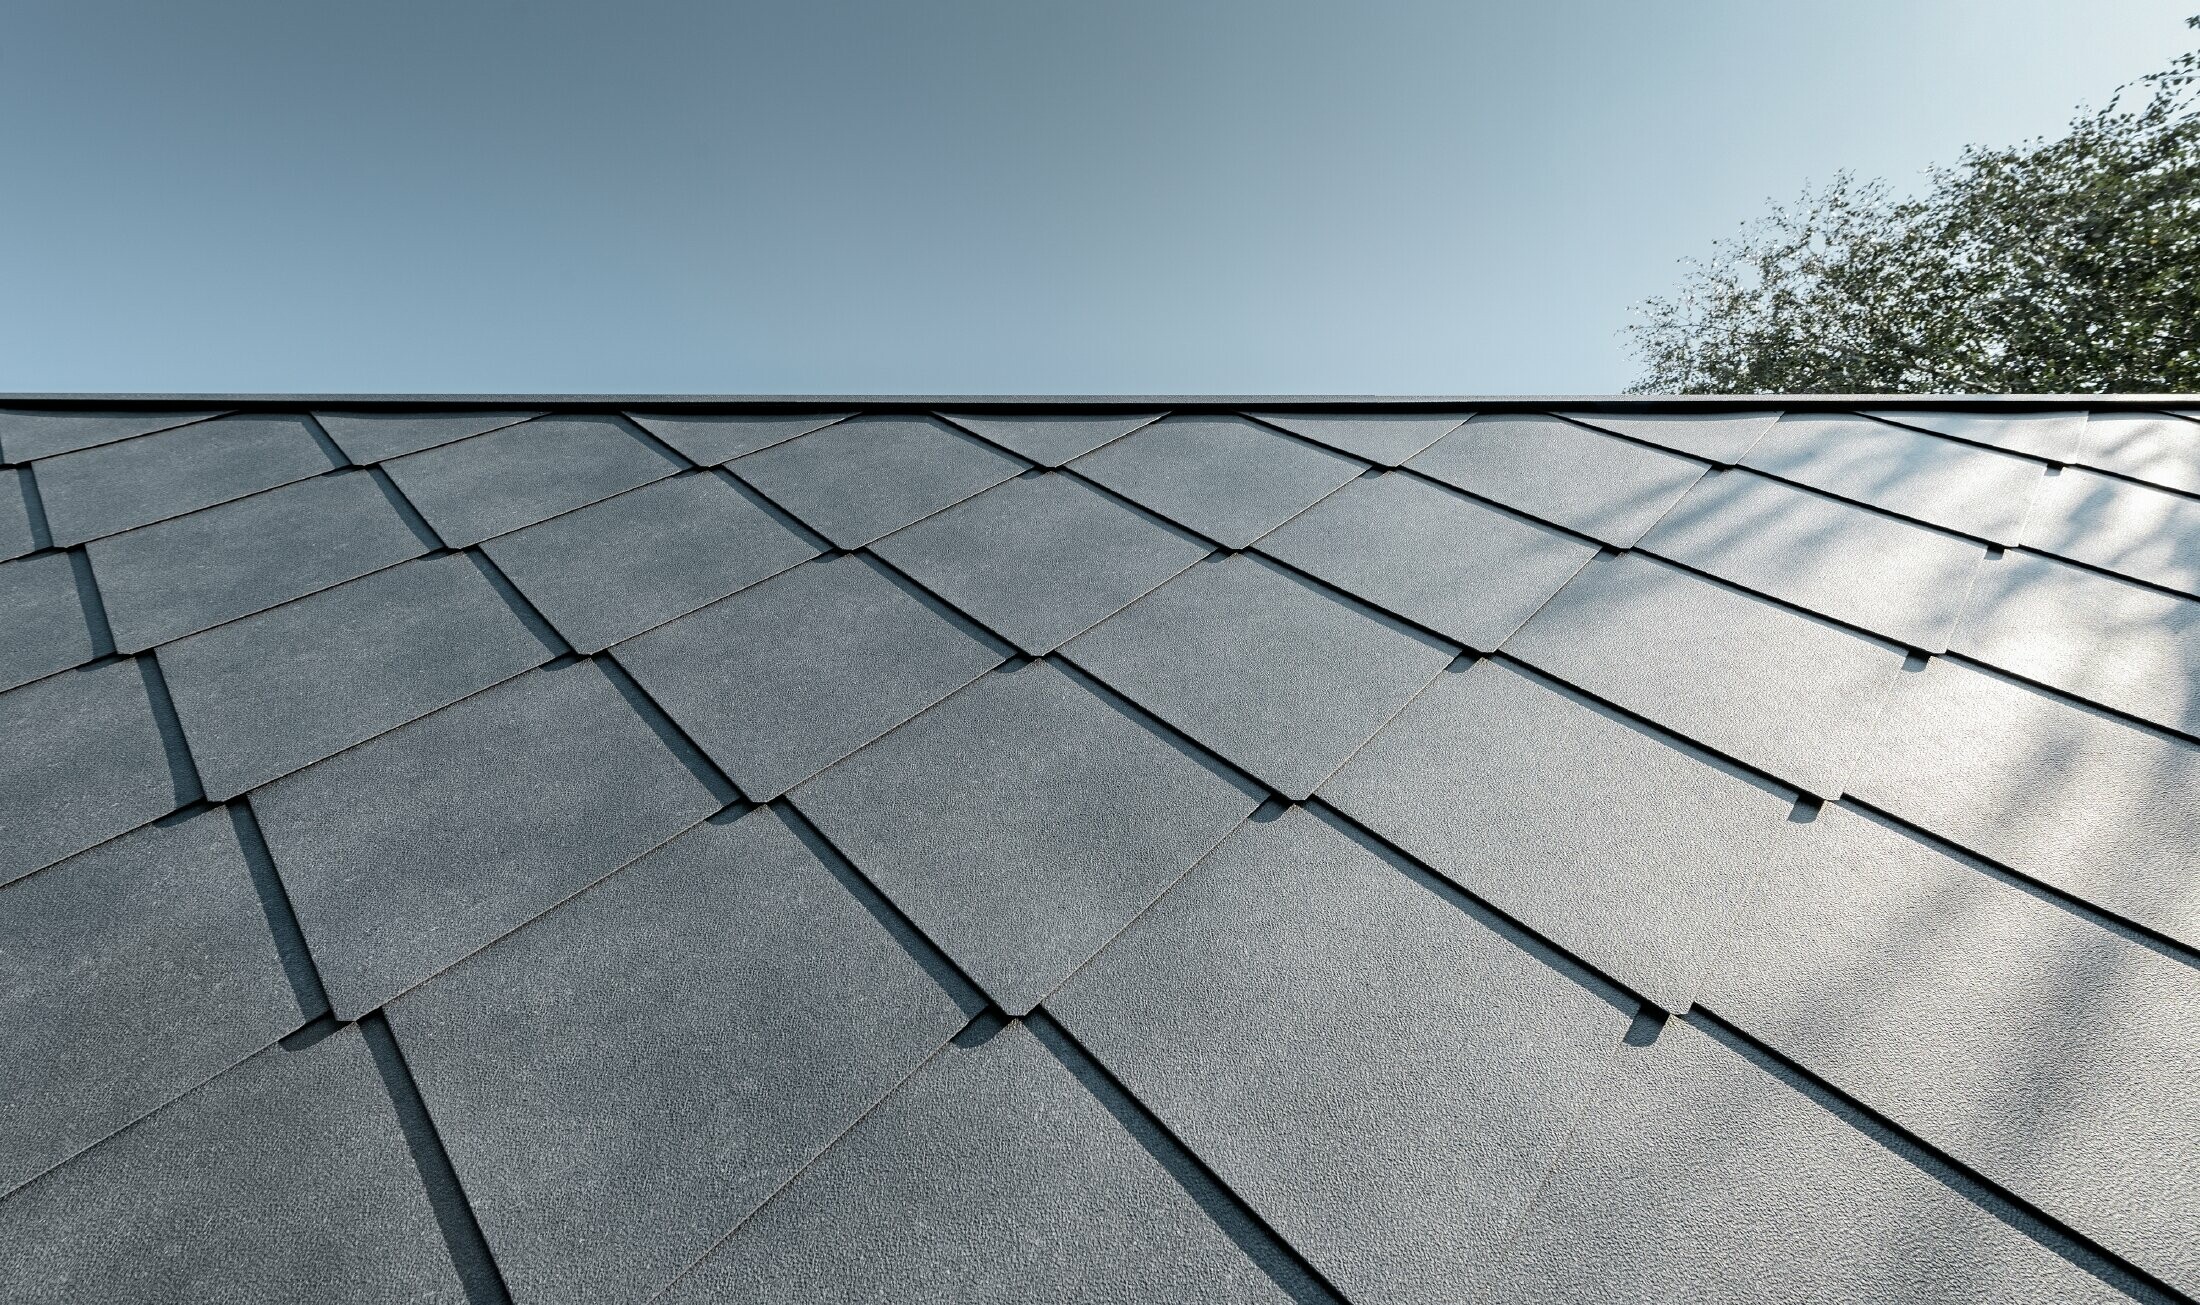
x=1771 y=688
x=1936 y=1039
x=1586 y=481
x=2133 y=530
x=407 y=853
x=111 y=488
x=49 y=618
x=490 y=484
x=710 y=438
x=627 y=1078
x=2090 y=635
x=17 y=533
x=1387 y=439
x=288 y=1178
x=1438 y=559
x=1051 y=439
x=164 y=581
x=1041 y=559
x=2100 y=809
x=159 y=942
x=85 y=759
x=2158 y=449
x=2049 y=1054
x=1697 y=1175
x=1970 y=490
x=2051 y=435
x=622 y=566
x=371 y=435
x=1378 y=1073
x=1023 y=822
x=1626 y=852
x=995 y=1175
x=780 y=681
x=276 y=692
x=27 y=434
x=1864 y=568
x=867 y=477
x=1266 y=669
x=1224 y=477
x=1722 y=437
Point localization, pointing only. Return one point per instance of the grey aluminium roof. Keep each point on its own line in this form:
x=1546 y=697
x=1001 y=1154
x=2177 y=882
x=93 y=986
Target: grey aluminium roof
x=672 y=848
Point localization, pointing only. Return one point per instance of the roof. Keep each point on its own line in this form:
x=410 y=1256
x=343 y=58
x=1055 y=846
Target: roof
x=1268 y=850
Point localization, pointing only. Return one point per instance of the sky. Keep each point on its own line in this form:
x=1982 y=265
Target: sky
x=938 y=197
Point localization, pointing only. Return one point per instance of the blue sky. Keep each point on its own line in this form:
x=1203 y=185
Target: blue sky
x=1012 y=197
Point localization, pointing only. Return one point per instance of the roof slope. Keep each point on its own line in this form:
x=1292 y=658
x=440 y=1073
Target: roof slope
x=1269 y=852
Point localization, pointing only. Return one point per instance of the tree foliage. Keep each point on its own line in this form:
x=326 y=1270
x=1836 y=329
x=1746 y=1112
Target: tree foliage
x=2070 y=265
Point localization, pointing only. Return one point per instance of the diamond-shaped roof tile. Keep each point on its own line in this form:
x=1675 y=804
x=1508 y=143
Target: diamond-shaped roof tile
x=409 y=852
x=372 y=435
x=1224 y=477
x=692 y=1012
x=1942 y=482
x=1266 y=669
x=1051 y=439
x=27 y=434
x=491 y=484
x=869 y=476
x=710 y=438
x=1023 y=822
x=105 y=490
x=1384 y=438
x=1041 y=559
x=1586 y=481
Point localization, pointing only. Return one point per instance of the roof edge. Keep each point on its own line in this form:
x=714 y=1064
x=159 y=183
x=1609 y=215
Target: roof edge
x=1479 y=402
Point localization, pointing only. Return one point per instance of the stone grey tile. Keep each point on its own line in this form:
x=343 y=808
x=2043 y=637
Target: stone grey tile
x=415 y=849
x=867 y=477
x=996 y=1175
x=1721 y=437
x=1023 y=822
x=1632 y=855
x=273 y=693
x=109 y=489
x=622 y=1081
x=2118 y=526
x=1040 y=559
x=1584 y=480
x=17 y=533
x=1378 y=1074
x=47 y=626
x=1384 y=438
x=1698 y=1176
x=1225 y=477
x=494 y=483
x=2093 y=636
x=1261 y=666
x=710 y=438
x=2159 y=449
x=2051 y=1055
x=129 y=975
x=84 y=762
x=370 y=436
x=783 y=679
x=1858 y=566
x=1051 y=439
x=1436 y=558
x=27 y=434
x=2082 y=801
x=2050 y=435
x=1943 y=482
x=1791 y=696
x=173 y=578
x=288 y=1178
x=619 y=567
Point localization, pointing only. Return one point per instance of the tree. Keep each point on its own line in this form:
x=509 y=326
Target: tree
x=2070 y=265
